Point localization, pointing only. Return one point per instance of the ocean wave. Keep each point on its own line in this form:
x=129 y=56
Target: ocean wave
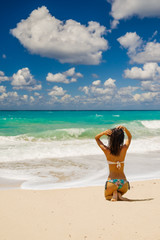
x=98 y=115
x=14 y=149
x=86 y=132
x=19 y=149
x=152 y=124
x=73 y=132
x=139 y=129
x=56 y=134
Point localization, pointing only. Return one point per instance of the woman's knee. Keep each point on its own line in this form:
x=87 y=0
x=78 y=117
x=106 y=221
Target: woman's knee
x=110 y=189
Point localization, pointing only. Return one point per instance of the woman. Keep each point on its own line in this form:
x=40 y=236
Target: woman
x=116 y=184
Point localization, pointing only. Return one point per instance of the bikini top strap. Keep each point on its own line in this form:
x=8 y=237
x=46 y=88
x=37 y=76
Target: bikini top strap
x=117 y=163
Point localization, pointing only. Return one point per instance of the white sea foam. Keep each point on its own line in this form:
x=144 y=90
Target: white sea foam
x=14 y=149
x=116 y=115
x=81 y=171
x=20 y=148
x=144 y=145
x=70 y=163
x=153 y=124
x=44 y=163
x=74 y=132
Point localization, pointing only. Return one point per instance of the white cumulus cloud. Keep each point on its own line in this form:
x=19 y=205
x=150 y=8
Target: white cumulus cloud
x=36 y=94
x=94 y=75
x=123 y=9
x=96 y=82
x=36 y=87
x=127 y=90
x=114 y=23
x=67 y=98
x=149 y=53
x=145 y=97
x=131 y=41
x=69 y=41
x=65 y=77
x=150 y=86
x=24 y=97
x=9 y=97
x=110 y=83
x=149 y=76
x=109 y=93
x=3 y=77
x=2 y=89
x=57 y=91
x=32 y=99
x=23 y=79
x=138 y=50
x=95 y=89
x=150 y=71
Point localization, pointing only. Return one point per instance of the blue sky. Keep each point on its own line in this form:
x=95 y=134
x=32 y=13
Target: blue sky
x=80 y=55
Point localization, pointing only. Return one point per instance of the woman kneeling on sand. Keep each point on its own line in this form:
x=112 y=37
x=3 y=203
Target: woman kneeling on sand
x=117 y=183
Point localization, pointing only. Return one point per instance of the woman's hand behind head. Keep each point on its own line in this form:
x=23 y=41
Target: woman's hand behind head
x=108 y=132
x=120 y=127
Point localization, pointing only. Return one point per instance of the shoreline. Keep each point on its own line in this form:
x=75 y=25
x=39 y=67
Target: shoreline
x=12 y=184
x=81 y=214
x=138 y=167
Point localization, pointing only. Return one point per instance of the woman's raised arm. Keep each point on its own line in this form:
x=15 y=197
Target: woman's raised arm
x=128 y=141
x=108 y=132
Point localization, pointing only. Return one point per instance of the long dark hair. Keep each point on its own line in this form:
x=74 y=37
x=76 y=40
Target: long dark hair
x=116 y=140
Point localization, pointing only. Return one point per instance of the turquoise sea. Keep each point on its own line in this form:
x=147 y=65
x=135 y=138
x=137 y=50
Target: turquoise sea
x=55 y=149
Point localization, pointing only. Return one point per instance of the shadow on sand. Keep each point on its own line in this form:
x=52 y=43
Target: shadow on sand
x=136 y=200
x=121 y=199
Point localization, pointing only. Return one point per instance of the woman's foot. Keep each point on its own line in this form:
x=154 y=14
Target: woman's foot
x=122 y=198
x=115 y=196
x=108 y=197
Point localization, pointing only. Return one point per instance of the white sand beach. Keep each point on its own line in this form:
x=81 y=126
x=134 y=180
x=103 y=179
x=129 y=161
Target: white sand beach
x=81 y=213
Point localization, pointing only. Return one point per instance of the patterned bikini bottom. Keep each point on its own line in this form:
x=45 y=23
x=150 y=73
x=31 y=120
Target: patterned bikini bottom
x=118 y=182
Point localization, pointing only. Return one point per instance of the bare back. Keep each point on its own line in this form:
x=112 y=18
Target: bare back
x=114 y=172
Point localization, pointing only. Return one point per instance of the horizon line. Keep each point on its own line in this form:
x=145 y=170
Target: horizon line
x=81 y=110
